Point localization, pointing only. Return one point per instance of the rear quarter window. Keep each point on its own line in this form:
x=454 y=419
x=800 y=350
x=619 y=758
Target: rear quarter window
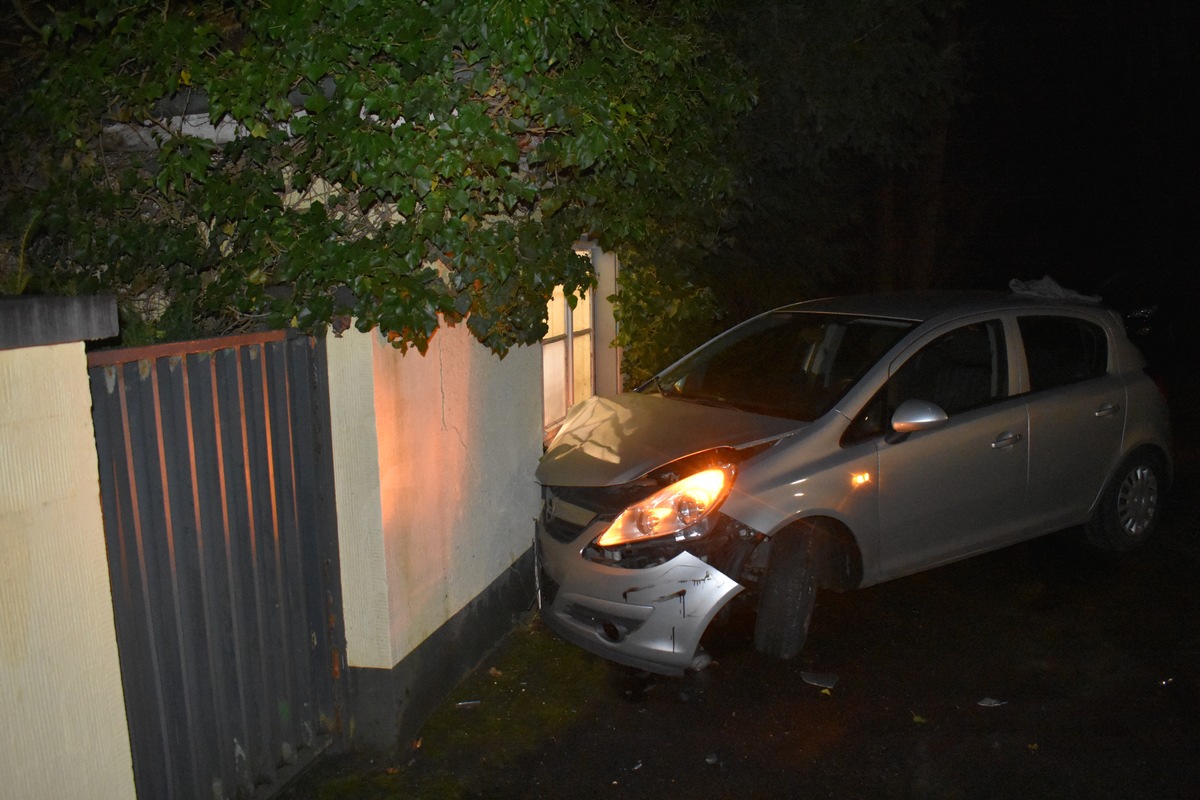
x=1062 y=350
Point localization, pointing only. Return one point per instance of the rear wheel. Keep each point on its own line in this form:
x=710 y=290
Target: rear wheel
x=788 y=594
x=1131 y=505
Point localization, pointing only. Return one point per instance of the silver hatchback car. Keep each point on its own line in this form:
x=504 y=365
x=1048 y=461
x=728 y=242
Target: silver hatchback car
x=839 y=443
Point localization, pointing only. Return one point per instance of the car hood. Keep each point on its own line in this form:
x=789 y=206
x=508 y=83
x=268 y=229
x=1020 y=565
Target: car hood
x=607 y=441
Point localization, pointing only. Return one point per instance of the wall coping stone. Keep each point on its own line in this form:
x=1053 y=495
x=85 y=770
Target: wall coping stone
x=35 y=321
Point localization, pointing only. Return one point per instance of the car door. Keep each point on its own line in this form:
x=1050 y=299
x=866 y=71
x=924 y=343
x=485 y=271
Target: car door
x=959 y=488
x=1077 y=405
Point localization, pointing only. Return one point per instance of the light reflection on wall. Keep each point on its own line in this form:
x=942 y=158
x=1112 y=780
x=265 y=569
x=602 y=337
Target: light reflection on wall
x=459 y=434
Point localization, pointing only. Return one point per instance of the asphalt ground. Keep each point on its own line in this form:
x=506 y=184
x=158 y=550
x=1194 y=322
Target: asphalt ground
x=1044 y=670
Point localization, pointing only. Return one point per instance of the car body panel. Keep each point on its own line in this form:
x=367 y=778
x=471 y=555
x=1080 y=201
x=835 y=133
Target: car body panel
x=1149 y=428
x=810 y=476
x=937 y=488
x=1022 y=464
x=650 y=618
x=1075 y=436
x=611 y=440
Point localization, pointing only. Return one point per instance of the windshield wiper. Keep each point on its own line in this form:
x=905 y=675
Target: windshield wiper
x=707 y=400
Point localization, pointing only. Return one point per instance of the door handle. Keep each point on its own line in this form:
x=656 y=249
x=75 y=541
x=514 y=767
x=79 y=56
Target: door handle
x=1006 y=440
x=1107 y=410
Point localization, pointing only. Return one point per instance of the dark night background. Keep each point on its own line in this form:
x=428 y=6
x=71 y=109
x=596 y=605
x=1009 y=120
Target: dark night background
x=1069 y=155
x=1080 y=139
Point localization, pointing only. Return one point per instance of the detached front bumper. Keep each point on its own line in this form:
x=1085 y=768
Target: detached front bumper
x=650 y=618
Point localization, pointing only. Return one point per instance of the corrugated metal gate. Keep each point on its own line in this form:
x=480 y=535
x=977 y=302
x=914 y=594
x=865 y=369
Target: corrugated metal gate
x=217 y=491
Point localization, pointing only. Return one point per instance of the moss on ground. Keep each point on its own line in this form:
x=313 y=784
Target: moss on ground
x=534 y=687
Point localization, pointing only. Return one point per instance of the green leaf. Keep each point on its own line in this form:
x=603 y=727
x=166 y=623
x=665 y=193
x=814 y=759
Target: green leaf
x=496 y=132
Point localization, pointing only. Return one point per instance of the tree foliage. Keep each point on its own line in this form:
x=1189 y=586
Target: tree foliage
x=663 y=314
x=402 y=162
x=854 y=99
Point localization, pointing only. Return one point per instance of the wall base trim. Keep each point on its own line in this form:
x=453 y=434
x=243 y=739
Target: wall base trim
x=389 y=706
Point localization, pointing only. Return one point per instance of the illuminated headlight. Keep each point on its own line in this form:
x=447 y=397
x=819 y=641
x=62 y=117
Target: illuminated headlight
x=683 y=510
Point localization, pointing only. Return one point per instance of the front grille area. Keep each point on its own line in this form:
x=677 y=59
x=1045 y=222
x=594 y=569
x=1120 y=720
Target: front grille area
x=548 y=587
x=604 y=500
x=603 y=503
x=607 y=502
x=725 y=547
x=559 y=529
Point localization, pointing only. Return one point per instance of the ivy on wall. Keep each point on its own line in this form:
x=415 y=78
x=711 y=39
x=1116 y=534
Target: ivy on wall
x=402 y=163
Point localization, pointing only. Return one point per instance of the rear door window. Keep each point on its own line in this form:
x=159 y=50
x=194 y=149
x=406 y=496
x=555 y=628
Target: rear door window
x=1062 y=350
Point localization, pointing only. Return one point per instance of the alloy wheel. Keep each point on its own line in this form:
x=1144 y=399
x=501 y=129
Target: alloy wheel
x=1137 y=500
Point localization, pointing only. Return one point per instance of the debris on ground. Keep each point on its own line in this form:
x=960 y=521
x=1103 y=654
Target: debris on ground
x=824 y=680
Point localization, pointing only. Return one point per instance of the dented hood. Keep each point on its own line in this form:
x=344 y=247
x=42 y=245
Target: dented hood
x=606 y=441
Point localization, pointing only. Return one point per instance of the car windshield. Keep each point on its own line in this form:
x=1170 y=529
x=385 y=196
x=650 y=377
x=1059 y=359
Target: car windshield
x=784 y=364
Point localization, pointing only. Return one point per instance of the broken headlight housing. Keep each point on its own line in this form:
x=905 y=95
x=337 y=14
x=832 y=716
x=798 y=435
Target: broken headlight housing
x=682 y=511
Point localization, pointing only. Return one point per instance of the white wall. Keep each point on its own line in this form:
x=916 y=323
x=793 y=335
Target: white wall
x=447 y=444
x=64 y=733
x=355 y=447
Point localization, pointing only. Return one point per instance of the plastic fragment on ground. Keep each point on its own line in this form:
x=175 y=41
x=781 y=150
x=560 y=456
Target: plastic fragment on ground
x=823 y=679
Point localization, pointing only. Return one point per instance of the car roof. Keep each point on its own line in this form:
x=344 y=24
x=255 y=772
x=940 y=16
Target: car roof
x=919 y=306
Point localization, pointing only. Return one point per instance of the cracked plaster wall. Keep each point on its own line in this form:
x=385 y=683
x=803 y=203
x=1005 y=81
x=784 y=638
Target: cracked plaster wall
x=447 y=443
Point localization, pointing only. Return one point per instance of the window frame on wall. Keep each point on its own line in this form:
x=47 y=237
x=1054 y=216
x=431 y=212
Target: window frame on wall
x=568 y=355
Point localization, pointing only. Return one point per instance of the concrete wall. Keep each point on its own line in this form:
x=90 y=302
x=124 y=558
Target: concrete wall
x=65 y=733
x=433 y=458
x=361 y=544
x=459 y=440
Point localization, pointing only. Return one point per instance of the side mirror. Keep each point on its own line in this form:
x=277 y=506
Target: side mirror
x=917 y=415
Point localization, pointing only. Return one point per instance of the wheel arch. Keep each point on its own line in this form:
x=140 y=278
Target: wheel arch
x=1153 y=449
x=1159 y=452
x=841 y=564
x=1106 y=526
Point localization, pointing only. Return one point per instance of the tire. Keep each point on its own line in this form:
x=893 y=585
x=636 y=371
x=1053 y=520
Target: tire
x=788 y=594
x=1131 y=505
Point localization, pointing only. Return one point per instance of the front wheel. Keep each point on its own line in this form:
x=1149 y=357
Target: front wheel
x=1131 y=505
x=788 y=594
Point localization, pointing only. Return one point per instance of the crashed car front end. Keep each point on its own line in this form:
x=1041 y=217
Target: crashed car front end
x=636 y=572
x=645 y=533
